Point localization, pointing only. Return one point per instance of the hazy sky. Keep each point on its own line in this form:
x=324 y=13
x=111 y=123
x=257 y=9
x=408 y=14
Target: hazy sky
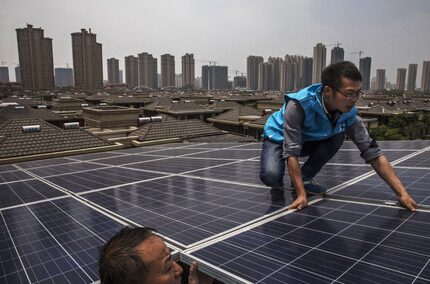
x=393 y=32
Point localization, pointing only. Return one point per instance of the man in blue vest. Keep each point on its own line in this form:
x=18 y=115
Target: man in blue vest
x=313 y=122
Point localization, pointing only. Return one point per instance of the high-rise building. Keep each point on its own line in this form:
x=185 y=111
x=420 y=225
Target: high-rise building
x=380 y=79
x=337 y=54
x=214 y=77
x=148 y=76
x=239 y=82
x=4 y=74
x=188 y=78
x=18 y=74
x=167 y=70
x=365 y=65
x=276 y=65
x=121 y=77
x=305 y=69
x=319 y=62
x=289 y=73
x=113 y=70
x=131 y=71
x=87 y=60
x=252 y=63
x=412 y=77
x=401 y=79
x=35 y=59
x=64 y=77
x=265 y=76
x=425 y=78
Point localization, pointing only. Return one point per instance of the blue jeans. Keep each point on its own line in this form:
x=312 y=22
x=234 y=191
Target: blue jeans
x=272 y=163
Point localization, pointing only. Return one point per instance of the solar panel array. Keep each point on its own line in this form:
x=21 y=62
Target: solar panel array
x=208 y=203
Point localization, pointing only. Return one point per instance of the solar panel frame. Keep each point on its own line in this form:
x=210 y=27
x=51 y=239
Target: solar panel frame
x=214 y=266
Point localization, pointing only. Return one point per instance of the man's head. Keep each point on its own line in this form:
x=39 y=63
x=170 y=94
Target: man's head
x=136 y=255
x=341 y=86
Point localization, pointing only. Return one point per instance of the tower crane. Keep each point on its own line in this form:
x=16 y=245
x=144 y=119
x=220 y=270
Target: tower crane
x=360 y=52
x=338 y=44
x=209 y=61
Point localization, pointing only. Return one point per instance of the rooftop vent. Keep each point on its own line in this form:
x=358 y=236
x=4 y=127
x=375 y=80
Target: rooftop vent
x=31 y=128
x=144 y=120
x=71 y=125
x=19 y=107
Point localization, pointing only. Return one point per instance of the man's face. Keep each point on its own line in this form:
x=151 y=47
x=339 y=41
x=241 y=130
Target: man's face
x=156 y=255
x=339 y=99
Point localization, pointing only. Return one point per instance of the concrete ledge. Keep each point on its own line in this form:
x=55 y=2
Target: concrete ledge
x=126 y=141
x=19 y=159
x=155 y=142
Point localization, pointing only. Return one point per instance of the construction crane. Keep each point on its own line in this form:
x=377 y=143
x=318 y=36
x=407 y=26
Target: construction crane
x=338 y=44
x=360 y=52
x=209 y=61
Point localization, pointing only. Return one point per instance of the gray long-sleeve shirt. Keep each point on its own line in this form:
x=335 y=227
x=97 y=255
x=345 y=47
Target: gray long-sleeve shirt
x=293 y=120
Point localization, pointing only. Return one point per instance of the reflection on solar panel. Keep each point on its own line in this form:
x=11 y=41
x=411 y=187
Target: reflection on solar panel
x=187 y=210
x=16 y=193
x=327 y=242
x=56 y=241
x=208 y=199
x=416 y=181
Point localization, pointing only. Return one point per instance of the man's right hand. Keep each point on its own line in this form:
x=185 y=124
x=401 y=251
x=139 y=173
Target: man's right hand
x=300 y=203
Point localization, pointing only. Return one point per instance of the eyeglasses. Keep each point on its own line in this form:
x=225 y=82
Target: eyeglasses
x=355 y=95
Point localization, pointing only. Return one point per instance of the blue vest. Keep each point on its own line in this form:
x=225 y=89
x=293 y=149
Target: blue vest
x=316 y=125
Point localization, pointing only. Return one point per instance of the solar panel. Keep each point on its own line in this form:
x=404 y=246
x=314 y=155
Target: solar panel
x=327 y=242
x=94 y=156
x=55 y=241
x=249 y=171
x=400 y=145
x=188 y=210
x=416 y=182
x=353 y=157
x=421 y=160
x=13 y=175
x=100 y=178
x=68 y=168
x=229 y=154
x=124 y=160
x=43 y=163
x=177 y=165
x=16 y=193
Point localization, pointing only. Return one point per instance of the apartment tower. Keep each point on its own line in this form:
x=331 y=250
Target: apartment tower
x=35 y=59
x=188 y=77
x=252 y=63
x=113 y=70
x=87 y=60
x=319 y=63
x=167 y=70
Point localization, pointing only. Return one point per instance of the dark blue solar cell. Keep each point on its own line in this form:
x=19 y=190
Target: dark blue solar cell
x=245 y=266
x=323 y=263
x=347 y=247
x=367 y=273
x=398 y=260
x=13 y=176
x=291 y=274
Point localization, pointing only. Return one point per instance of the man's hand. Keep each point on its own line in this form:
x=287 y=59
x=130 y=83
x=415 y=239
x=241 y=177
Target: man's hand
x=407 y=202
x=196 y=277
x=300 y=203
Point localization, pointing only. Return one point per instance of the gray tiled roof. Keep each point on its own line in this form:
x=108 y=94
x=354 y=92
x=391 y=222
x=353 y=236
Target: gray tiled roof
x=173 y=128
x=234 y=114
x=10 y=112
x=14 y=143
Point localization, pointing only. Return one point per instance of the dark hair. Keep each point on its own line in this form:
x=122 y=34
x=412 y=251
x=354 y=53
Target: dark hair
x=119 y=261
x=332 y=75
